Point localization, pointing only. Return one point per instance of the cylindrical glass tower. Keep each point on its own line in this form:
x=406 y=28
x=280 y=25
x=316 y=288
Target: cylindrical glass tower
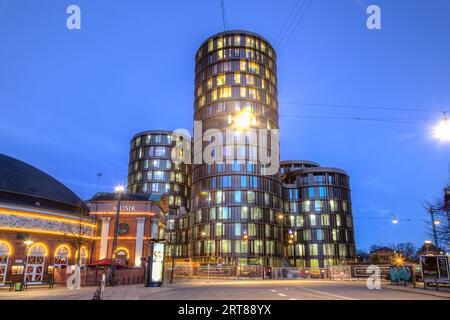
x=151 y=169
x=236 y=215
x=319 y=208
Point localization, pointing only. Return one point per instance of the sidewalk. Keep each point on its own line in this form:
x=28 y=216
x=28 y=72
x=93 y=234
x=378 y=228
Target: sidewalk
x=442 y=293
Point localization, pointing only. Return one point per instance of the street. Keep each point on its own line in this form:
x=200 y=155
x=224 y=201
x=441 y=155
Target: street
x=235 y=290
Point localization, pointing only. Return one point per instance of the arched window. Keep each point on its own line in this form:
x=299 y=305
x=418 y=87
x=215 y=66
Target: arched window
x=35 y=263
x=122 y=254
x=62 y=255
x=5 y=252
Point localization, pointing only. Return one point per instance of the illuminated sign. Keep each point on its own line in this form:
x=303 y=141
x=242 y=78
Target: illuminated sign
x=156 y=266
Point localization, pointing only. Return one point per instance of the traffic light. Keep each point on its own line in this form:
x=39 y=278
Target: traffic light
x=245 y=235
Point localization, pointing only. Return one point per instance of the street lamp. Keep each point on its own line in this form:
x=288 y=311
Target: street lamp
x=119 y=189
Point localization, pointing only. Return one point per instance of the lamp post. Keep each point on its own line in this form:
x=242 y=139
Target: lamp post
x=112 y=277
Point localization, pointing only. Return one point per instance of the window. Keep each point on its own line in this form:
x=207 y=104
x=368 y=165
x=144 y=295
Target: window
x=243 y=66
x=219 y=229
x=249 y=79
x=328 y=249
x=237 y=229
x=160 y=151
x=319 y=235
x=225 y=246
x=124 y=228
x=325 y=220
x=318 y=206
x=313 y=249
x=322 y=192
x=253 y=67
x=311 y=192
x=158 y=175
x=243 y=181
x=243 y=92
x=237 y=78
x=251 y=197
x=219 y=197
x=237 y=197
x=221 y=79
x=312 y=220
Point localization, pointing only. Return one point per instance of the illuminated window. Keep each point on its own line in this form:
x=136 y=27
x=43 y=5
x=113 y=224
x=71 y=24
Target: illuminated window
x=249 y=79
x=209 y=83
x=220 y=54
x=210 y=45
x=312 y=220
x=237 y=78
x=225 y=92
x=325 y=220
x=221 y=79
x=243 y=92
x=252 y=93
x=243 y=65
x=214 y=95
x=313 y=249
x=253 y=67
x=219 y=43
x=219 y=229
x=237 y=40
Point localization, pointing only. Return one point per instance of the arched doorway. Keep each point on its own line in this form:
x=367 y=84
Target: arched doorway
x=35 y=263
x=62 y=255
x=5 y=252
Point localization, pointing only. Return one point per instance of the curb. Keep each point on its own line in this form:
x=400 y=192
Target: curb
x=428 y=293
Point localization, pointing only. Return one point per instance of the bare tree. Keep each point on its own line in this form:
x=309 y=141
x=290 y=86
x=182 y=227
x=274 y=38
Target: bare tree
x=438 y=229
x=78 y=235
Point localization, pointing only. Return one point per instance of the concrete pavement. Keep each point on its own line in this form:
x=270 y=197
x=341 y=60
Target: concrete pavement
x=232 y=290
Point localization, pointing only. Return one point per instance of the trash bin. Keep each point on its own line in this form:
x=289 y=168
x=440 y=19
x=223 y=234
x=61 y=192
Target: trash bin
x=18 y=286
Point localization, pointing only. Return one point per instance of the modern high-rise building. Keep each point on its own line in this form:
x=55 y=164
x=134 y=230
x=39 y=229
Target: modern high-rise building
x=319 y=209
x=151 y=170
x=236 y=211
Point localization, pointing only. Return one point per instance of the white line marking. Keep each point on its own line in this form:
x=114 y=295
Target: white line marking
x=292 y=299
x=273 y=290
x=327 y=294
x=282 y=295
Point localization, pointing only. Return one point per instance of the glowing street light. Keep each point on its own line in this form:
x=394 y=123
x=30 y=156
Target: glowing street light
x=437 y=222
x=442 y=131
x=395 y=221
x=119 y=188
x=28 y=242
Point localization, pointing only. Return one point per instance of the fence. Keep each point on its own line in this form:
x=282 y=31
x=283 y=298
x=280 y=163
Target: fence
x=348 y=272
x=92 y=277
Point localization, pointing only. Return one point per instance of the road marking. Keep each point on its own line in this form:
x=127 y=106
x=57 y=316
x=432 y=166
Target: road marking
x=282 y=295
x=326 y=293
x=273 y=290
x=292 y=299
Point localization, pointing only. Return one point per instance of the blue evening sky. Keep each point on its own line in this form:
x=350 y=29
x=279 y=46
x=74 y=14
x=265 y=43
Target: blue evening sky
x=70 y=101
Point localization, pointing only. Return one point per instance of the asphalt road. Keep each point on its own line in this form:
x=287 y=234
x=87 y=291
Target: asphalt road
x=231 y=290
x=286 y=290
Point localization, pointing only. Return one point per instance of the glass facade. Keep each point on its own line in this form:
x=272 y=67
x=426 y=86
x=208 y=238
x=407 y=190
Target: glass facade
x=235 y=215
x=319 y=215
x=151 y=170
